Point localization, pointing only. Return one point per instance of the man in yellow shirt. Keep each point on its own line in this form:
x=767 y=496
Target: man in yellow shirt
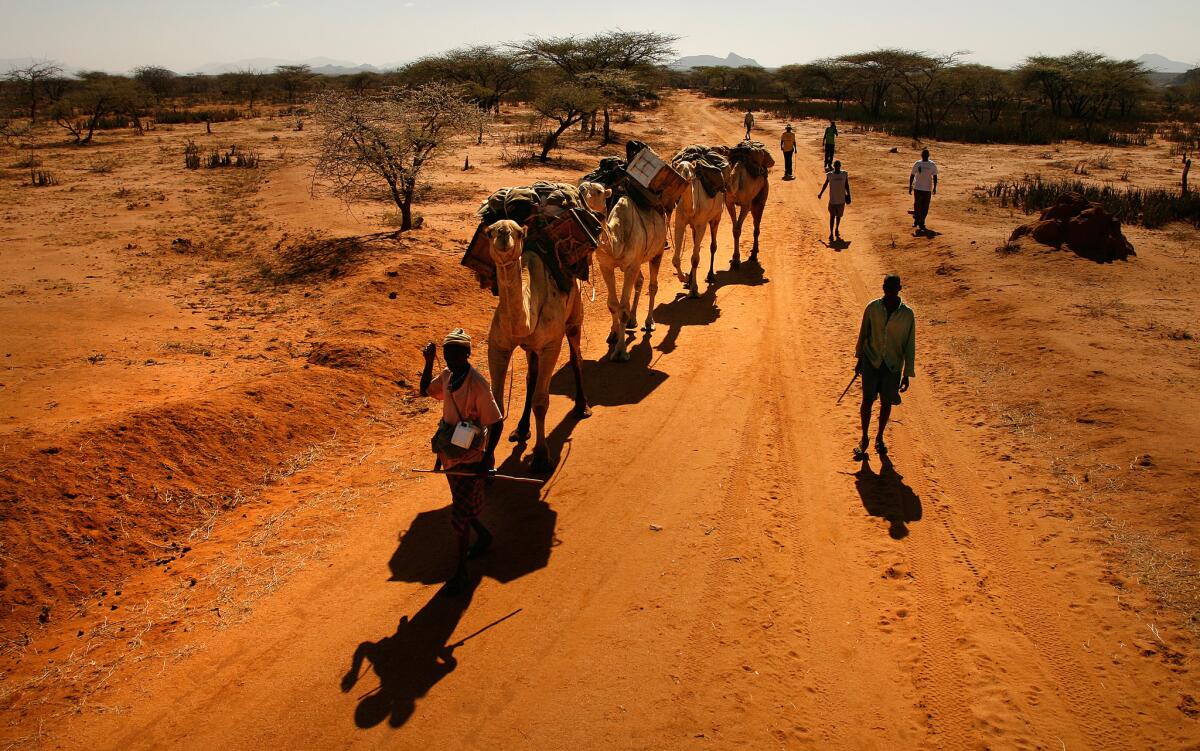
x=787 y=143
x=886 y=355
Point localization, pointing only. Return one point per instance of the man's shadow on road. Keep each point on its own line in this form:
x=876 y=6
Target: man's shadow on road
x=411 y=661
x=885 y=495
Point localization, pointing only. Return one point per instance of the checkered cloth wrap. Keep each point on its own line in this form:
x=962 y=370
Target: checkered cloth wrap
x=467 y=494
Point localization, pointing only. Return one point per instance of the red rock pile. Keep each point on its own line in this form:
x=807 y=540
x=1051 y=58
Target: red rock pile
x=1082 y=226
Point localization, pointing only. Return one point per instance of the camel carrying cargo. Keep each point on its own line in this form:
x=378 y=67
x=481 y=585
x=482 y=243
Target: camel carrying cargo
x=644 y=176
x=560 y=229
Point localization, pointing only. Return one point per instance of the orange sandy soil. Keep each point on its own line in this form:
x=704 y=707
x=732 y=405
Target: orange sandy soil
x=206 y=508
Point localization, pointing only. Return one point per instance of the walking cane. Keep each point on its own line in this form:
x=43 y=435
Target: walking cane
x=491 y=475
x=848 y=385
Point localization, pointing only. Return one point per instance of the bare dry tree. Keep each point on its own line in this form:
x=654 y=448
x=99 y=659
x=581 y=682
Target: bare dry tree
x=31 y=80
x=390 y=137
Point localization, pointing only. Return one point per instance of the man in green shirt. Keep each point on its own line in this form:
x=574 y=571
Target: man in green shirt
x=830 y=137
x=886 y=355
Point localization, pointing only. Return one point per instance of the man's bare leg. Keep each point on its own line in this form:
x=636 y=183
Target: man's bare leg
x=885 y=412
x=865 y=414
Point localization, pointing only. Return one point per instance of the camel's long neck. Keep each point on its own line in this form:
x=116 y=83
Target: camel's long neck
x=516 y=307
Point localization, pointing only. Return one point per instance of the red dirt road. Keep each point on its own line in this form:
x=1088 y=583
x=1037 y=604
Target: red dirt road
x=707 y=567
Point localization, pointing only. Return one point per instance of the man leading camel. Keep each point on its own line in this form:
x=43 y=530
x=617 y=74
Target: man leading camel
x=748 y=121
x=466 y=400
x=838 y=183
x=886 y=355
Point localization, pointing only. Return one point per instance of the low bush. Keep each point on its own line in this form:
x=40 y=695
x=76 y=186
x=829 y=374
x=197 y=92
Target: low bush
x=1149 y=207
x=187 y=117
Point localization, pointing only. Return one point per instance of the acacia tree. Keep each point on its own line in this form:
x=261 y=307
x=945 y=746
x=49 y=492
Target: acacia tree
x=32 y=81
x=1085 y=85
x=247 y=85
x=924 y=82
x=988 y=92
x=96 y=96
x=823 y=79
x=873 y=75
x=293 y=80
x=565 y=103
x=159 y=81
x=390 y=137
x=489 y=74
x=603 y=62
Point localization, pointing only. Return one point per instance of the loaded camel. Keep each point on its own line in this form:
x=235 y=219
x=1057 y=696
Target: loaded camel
x=535 y=315
x=630 y=238
x=698 y=210
x=746 y=188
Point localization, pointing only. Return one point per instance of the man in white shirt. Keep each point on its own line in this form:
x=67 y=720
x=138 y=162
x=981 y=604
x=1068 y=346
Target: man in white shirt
x=838 y=183
x=922 y=185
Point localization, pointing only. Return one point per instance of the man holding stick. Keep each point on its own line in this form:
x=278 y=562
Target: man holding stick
x=465 y=442
x=886 y=355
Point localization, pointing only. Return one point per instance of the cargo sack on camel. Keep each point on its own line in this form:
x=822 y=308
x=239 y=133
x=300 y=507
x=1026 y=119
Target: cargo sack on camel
x=709 y=163
x=754 y=155
x=561 y=230
x=649 y=182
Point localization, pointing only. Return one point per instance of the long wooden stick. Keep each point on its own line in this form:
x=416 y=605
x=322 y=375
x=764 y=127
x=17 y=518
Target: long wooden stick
x=848 y=385
x=483 y=476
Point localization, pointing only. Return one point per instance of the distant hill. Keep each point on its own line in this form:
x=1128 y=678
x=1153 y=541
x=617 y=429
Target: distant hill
x=1160 y=64
x=702 y=61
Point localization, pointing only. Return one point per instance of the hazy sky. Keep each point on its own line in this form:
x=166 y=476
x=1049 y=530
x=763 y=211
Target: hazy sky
x=117 y=35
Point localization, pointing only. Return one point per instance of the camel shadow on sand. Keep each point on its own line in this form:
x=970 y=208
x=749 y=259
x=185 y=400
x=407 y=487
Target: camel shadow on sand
x=886 y=496
x=703 y=310
x=411 y=661
x=613 y=384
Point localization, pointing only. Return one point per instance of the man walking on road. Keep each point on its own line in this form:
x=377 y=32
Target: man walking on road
x=787 y=143
x=749 y=122
x=922 y=185
x=830 y=137
x=886 y=356
x=838 y=183
x=468 y=407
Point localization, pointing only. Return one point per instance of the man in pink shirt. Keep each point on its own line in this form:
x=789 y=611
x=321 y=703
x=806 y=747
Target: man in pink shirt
x=466 y=398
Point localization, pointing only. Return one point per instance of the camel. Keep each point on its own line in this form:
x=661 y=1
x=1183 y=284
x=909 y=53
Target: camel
x=630 y=238
x=696 y=209
x=748 y=193
x=535 y=315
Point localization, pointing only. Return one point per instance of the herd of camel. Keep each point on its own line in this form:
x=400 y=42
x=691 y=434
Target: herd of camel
x=534 y=314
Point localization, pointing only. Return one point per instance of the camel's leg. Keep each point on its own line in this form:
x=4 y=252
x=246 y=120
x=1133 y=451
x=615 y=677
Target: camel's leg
x=713 y=226
x=520 y=433
x=736 y=263
x=631 y=308
x=617 y=332
x=655 y=262
x=547 y=360
x=574 y=334
x=697 y=236
x=756 y=209
x=680 y=225
x=731 y=208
